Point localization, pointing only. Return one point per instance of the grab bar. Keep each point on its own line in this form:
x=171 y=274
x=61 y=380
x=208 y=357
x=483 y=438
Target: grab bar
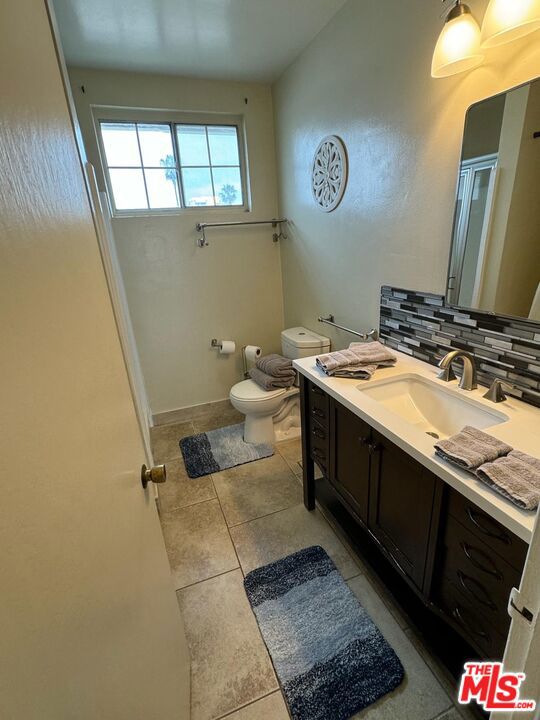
x=201 y=227
x=373 y=333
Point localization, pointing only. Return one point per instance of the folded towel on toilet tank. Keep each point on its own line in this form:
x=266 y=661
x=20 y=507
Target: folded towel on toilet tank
x=269 y=382
x=276 y=365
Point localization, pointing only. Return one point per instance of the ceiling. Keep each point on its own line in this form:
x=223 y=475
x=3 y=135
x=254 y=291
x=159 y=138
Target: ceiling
x=226 y=39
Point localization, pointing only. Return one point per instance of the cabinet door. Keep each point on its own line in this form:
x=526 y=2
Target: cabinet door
x=401 y=504
x=350 y=459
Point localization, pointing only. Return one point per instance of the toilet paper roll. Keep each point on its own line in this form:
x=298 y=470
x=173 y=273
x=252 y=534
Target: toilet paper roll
x=227 y=347
x=253 y=352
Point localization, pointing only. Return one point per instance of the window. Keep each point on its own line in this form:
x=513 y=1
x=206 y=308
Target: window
x=156 y=166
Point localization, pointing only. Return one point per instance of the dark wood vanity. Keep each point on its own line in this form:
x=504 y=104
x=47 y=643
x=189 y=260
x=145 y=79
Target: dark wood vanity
x=459 y=561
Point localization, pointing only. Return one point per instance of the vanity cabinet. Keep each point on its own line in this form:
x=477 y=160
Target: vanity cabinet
x=478 y=562
x=350 y=459
x=402 y=495
x=459 y=560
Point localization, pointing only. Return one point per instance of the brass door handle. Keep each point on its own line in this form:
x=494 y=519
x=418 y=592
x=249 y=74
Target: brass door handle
x=156 y=474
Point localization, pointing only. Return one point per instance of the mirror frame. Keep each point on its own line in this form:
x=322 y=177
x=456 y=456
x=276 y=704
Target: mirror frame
x=489 y=313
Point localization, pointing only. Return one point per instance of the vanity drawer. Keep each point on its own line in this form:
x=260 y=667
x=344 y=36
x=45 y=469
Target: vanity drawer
x=500 y=540
x=473 y=626
x=481 y=575
x=318 y=405
x=319 y=444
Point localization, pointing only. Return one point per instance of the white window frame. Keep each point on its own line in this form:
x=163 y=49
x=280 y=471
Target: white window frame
x=103 y=114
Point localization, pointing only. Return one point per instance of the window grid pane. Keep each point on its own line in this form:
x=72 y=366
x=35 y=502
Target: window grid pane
x=221 y=184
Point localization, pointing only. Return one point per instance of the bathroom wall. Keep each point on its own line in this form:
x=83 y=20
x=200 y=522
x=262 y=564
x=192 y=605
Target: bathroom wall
x=366 y=77
x=180 y=296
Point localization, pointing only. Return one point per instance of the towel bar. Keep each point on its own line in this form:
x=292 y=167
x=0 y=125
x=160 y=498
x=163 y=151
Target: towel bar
x=373 y=334
x=275 y=222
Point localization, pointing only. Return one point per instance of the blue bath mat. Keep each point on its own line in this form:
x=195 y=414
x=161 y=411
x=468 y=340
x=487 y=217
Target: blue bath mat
x=220 y=449
x=329 y=656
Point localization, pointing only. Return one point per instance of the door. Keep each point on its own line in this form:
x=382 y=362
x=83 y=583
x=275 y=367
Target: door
x=475 y=196
x=522 y=652
x=402 y=493
x=89 y=622
x=349 y=459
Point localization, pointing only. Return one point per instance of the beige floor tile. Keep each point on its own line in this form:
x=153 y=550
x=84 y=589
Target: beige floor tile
x=291 y=452
x=198 y=543
x=213 y=418
x=165 y=440
x=230 y=666
x=271 y=707
x=267 y=539
x=255 y=489
x=180 y=490
x=420 y=696
x=444 y=677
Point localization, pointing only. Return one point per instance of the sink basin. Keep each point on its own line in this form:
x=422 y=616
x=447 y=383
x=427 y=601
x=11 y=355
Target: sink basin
x=430 y=407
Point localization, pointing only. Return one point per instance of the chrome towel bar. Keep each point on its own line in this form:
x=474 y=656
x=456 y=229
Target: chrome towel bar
x=373 y=334
x=275 y=222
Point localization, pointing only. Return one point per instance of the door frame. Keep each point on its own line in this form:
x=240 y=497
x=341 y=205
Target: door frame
x=109 y=257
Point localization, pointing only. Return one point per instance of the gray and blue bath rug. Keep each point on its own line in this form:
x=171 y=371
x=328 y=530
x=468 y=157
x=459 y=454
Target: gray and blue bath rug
x=329 y=656
x=220 y=449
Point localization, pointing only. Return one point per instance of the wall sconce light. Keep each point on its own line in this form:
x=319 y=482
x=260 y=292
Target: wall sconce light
x=507 y=20
x=458 y=46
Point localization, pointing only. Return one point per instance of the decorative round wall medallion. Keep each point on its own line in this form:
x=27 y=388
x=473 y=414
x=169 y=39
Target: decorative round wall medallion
x=329 y=173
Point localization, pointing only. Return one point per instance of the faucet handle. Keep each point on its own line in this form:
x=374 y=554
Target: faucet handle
x=447 y=374
x=496 y=393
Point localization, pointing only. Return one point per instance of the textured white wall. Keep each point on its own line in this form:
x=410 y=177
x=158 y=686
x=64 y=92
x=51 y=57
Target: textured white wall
x=181 y=296
x=366 y=77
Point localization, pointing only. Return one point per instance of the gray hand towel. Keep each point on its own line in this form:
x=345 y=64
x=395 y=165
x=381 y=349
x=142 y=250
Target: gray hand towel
x=515 y=476
x=267 y=382
x=276 y=365
x=471 y=448
x=361 y=372
x=369 y=353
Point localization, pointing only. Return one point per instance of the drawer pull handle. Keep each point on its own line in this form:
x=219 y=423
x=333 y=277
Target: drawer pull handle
x=499 y=535
x=319 y=454
x=465 y=580
x=319 y=433
x=364 y=440
x=467 y=549
x=316 y=390
x=456 y=612
x=318 y=413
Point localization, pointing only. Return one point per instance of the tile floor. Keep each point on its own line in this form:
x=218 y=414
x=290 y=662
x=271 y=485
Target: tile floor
x=220 y=527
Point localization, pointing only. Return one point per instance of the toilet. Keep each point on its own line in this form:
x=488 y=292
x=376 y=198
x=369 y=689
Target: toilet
x=274 y=415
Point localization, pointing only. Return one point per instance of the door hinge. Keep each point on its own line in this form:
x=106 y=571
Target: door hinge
x=516 y=607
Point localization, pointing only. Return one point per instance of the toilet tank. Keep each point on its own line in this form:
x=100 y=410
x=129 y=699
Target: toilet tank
x=299 y=342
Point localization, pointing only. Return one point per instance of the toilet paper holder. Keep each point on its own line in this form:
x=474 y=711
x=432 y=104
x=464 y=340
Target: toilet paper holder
x=215 y=343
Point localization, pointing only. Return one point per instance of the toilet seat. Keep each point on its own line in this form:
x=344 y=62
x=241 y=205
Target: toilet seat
x=249 y=391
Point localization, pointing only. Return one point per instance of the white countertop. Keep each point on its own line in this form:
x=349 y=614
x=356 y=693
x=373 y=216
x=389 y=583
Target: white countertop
x=521 y=431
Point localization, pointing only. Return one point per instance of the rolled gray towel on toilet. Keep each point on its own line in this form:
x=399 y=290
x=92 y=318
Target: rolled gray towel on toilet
x=471 y=448
x=276 y=366
x=268 y=382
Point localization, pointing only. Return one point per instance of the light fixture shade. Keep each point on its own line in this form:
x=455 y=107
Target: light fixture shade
x=507 y=20
x=458 y=46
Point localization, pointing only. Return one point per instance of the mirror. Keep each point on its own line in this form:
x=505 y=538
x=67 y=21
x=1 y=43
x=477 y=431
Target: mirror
x=495 y=253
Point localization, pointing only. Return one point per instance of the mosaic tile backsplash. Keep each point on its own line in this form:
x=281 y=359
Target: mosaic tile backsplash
x=420 y=324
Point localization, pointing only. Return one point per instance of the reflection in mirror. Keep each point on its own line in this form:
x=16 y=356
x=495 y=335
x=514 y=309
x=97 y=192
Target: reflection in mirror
x=495 y=255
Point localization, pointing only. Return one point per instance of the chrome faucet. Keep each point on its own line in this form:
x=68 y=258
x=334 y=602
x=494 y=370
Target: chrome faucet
x=468 y=379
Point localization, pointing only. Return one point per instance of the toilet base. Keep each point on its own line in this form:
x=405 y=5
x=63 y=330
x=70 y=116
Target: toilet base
x=285 y=425
x=259 y=429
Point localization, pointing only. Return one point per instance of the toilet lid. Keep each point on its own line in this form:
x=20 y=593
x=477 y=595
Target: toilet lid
x=249 y=390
